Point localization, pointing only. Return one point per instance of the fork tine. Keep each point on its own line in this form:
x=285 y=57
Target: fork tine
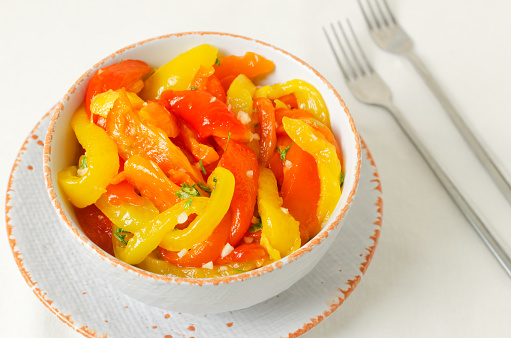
x=366 y=17
x=382 y=15
x=373 y=13
x=350 y=48
x=350 y=71
x=360 y=50
x=392 y=18
x=334 y=51
x=343 y=50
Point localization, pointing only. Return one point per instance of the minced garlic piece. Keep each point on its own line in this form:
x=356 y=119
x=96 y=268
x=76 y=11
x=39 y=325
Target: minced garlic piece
x=287 y=165
x=82 y=171
x=181 y=253
x=250 y=173
x=208 y=265
x=226 y=250
x=244 y=117
x=182 y=217
x=255 y=137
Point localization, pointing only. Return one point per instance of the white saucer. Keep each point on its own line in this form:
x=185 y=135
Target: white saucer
x=52 y=268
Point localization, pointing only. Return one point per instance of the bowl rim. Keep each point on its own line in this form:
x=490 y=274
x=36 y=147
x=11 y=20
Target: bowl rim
x=85 y=241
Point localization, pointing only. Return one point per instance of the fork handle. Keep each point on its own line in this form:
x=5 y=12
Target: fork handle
x=479 y=150
x=455 y=194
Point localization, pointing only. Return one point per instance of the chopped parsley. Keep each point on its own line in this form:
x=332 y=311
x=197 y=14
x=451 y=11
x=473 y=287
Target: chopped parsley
x=204 y=187
x=317 y=122
x=187 y=191
x=283 y=153
x=239 y=270
x=202 y=167
x=256 y=227
x=256 y=125
x=83 y=162
x=193 y=88
x=120 y=234
x=228 y=139
x=217 y=62
x=342 y=179
x=188 y=203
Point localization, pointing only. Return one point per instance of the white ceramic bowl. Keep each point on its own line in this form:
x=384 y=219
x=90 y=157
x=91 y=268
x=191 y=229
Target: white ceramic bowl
x=211 y=295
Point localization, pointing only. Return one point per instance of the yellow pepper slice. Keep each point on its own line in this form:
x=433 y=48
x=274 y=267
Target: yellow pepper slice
x=239 y=97
x=307 y=97
x=178 y=73
x=329 y=165
x=154 y=264
x=281 y=234
x=128 y=216
x=102 y=103
x=203 y=225
x=280 y=104
x=84 y=187
x=149 y=236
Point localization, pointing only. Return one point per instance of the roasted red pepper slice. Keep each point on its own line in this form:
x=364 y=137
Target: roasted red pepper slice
x=242 y=162
x=243 y=253
x=207 y=115
x=268 y=141
x=127 y=74
x=215 y=88
x=253 y=237
x=123 y=192
x=301 y=189
x=276 y=163
x=96 y=226
x=205 y=80
x=204 y=252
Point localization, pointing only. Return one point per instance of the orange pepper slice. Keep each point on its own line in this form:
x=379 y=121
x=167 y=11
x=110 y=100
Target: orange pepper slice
x=250 y=64
x=133 y=137
x=154 y=113
x=151 y=181
x=197 y=147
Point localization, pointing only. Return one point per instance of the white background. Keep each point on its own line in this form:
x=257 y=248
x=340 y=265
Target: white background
x=431 y=275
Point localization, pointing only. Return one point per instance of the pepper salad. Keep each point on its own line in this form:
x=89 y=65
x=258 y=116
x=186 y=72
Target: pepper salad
x=193 y=170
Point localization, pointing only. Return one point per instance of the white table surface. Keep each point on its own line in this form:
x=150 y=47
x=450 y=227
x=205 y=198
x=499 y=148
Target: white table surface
x=431 y=276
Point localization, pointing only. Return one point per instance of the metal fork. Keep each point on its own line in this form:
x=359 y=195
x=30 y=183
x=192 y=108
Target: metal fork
x=368 y=87
x=389 y=36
